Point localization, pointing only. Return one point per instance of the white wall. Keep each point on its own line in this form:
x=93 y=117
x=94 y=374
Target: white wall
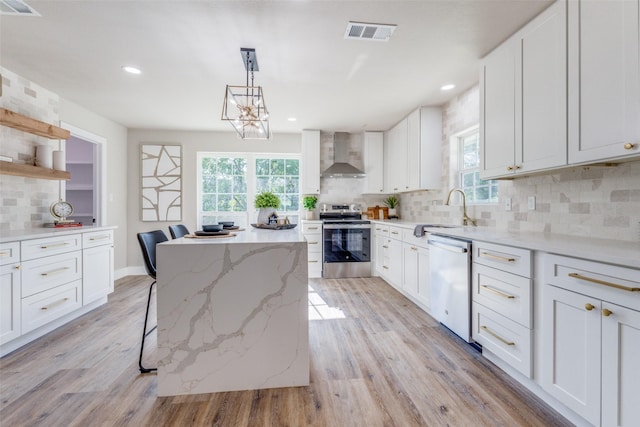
x=192 y=143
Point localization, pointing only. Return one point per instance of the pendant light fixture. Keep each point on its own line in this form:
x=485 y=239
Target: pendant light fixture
x=244 y=106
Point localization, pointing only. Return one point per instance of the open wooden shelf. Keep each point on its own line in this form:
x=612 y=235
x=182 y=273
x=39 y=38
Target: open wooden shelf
x=27 y=124
x=10 y=168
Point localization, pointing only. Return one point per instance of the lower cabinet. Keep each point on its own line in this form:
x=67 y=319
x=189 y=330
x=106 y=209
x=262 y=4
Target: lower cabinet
x=415 y=266
x=392 y=257
x=47 y=306
x=591 y=339
x=9 y=302
x=97 y=280
x=312 y=231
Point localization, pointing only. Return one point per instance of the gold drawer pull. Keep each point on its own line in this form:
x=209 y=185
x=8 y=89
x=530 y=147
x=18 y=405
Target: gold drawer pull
x=99 y=237
x=315 y=260
x=51 y=273
x=55 y=304
x=312 y=228
x=509 y=168
x=602 y=282
x=589 y=307
x=628 y=146
x=57 y=245
x=385 y=246
x=497 y=292
x=413 y=248
x=606 y=312
x=384 y=266
x=394 y=232
x=4 y=253
x=498 y=257
x=313 y=243
x=490 y=332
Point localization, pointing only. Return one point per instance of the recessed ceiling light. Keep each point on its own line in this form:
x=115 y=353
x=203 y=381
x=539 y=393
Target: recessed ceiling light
x=447 y=87
x=132 y=70
x=292 y=119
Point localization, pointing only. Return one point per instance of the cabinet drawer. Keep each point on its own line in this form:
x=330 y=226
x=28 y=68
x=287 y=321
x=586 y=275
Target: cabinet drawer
x=42 y=308
x=9 y=253
x=97 y=238
x=409 y=237
x=505 y=338
x=619 y=285
x=506 y=258
x=37 y=248
x=311 y=227
x=45 y=273
x=502 y=292
x=314 y=242
x=395 y=232
x=380 y=229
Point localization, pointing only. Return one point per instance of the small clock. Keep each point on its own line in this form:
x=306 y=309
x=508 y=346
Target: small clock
x=61 y=210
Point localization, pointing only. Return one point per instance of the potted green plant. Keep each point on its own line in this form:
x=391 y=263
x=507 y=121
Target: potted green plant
x=392 y=203
x=267 y=203
x=309 y=203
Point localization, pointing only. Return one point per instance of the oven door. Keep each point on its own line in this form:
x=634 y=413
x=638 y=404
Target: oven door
x=347 y=250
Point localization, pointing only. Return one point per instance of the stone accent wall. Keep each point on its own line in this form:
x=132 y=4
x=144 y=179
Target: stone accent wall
x=595 y=201
x=26 y=201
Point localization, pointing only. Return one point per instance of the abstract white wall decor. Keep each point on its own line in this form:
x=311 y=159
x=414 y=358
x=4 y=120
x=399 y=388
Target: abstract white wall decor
x=161 y=182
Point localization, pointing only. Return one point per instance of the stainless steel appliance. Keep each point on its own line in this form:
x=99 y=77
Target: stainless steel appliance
x=346 y=243
x=450 y=283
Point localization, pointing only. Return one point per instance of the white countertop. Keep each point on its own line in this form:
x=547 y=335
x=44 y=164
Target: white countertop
x=603 y=250
x=37 y=233
x=249 y=235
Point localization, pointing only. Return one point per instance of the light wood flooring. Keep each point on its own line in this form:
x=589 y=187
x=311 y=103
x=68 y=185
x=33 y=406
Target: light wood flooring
x=386 y=363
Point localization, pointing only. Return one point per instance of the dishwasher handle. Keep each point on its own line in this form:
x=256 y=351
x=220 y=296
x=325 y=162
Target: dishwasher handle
x=450 y=248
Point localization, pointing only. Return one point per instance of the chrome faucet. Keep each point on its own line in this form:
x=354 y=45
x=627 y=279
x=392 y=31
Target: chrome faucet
x=465 y=218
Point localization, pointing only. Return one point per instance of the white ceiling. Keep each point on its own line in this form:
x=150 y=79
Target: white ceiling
x=189 y=50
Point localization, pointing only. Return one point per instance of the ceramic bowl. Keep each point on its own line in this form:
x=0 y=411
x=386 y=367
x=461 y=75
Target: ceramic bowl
x=212 y=227
x=226 y=223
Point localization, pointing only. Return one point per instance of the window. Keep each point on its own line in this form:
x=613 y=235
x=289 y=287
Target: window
x=476 y=190
x=228 y=184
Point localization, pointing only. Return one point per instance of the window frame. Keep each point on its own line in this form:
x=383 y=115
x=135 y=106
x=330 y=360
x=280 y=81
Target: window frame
x=462 y=171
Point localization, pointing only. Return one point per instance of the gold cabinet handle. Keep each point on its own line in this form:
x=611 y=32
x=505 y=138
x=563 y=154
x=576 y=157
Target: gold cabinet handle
x=413 y=248
x=602 y=282
x=57 y=245
x=497 y=292
x=589 y=307
x=384 y=266
x=313 y=228
x=18 y=267
x=394 y=232
x=497 y=257
x=314 y=260
x=55 y=304
x=509 y=168
x=385 y=246
x=516 y=167
x=606 y=312
x=99 y=237
x=4 y=253
x=52 y=272
x=628 y=146
x=312 y=243
x=490 y=332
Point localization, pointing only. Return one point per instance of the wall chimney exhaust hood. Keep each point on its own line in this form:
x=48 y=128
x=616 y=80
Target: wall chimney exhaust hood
x=340 y=167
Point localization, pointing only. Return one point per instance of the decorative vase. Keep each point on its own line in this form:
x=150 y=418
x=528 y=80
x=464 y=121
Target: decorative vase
x=309 y=214
x=264 y=214
x=392 y=212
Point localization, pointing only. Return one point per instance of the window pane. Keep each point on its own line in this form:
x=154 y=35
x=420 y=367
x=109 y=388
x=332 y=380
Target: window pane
x=277 y=166
x=224 y=204
x=292 y=167
x=239 y=166
x=467 y=179
x=225 y=166
x=292 y=184
x=293 y=201
x=208 y=202
x=262 y=166
x=209 y=166
x=262 y=184
x=477 y=190
x=470 y=151
x=208 y=184
x=224 y=185
x=277 y=184
x=239 y=203
x=239 y=184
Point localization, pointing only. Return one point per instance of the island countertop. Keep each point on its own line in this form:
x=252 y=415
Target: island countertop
x=232 y=312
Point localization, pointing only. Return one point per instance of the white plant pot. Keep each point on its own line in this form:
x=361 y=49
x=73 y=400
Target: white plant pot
x=392 y=212
x=309 y=215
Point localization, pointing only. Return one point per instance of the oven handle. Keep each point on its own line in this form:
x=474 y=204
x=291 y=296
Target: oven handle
x=345 y=226
x=449 y=248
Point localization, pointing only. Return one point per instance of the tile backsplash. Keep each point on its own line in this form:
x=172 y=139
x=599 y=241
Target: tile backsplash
x=26 y=201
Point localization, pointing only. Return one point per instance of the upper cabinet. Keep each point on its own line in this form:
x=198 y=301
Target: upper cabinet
x=310 y=167
x=523 y=99
x=373 y=162
x=604 y=80
x=412 y=152
x=562 y=91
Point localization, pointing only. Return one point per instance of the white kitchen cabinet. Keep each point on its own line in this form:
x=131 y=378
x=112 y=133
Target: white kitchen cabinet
x=97 y=265
x=312 y=232
x=424 y=147
x=380 y=234
x=392 y=260
x=523 y=100
x=604 y=80
x=373 y=158
x=395 y=158
x=9 y=291
x=310 y=167
x=502 y=303
x=591 y=338
x=415 y=277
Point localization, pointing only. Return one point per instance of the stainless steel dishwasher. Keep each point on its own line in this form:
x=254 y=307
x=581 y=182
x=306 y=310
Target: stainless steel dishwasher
x=450 y=283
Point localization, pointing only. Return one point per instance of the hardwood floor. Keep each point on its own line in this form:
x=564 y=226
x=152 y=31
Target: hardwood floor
x=386 y=363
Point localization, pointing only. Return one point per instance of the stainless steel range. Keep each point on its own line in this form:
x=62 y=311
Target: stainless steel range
x=347 y=243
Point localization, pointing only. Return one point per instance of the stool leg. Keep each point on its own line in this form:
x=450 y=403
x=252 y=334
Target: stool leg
x=145 y=333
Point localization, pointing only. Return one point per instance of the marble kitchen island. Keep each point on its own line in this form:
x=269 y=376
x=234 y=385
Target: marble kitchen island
x=232 y=313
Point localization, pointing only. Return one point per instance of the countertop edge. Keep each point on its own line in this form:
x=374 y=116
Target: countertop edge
x=38 y=233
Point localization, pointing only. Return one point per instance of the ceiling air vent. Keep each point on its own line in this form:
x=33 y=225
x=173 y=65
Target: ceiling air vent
x=16 y=7
x=366 y=31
